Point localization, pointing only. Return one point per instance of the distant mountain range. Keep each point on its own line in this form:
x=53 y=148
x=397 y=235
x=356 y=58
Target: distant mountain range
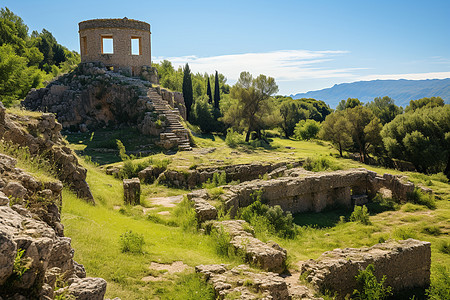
x=402 y=91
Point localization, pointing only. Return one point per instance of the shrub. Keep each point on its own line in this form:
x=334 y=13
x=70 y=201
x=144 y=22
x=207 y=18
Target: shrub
x=266 y=219
x=218 y=179
x=361 y=215
x=131 y=242
x=21 y=264
x=185 y=215
x=122 y=152
x=320 y=163
x=306 y=129
x=444 y=247
x=418 y=197
x=405 y=233
x=368 y=286
x=432 y=230
x=222 y=242
x=233 y=138
x=440 y=284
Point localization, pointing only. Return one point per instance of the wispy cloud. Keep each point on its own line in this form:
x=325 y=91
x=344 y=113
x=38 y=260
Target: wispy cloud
x=283 y=65
x=411 y=76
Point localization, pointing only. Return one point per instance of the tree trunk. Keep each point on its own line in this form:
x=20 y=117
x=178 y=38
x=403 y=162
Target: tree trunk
x=247 y=136
x=447 y=168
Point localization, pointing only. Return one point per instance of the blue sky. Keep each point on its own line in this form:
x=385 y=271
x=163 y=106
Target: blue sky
x=305 y=45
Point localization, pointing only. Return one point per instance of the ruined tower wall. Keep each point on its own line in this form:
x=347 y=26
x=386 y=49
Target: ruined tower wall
x=122 y=31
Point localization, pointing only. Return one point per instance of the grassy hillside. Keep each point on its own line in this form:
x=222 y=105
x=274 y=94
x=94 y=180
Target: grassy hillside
x=170 y=236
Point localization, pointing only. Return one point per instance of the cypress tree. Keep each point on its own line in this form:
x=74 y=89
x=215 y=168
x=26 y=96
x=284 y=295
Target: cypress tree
x=187 y=90
x=216 y=92
x=208 y=92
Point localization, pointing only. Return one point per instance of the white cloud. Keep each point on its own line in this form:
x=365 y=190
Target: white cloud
x=283 y=65
x=411 y=76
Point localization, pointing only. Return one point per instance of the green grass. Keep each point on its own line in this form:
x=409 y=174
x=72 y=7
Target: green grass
x=95 y=230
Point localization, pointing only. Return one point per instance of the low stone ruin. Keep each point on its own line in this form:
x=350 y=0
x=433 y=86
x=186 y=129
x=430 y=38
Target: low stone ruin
x=132 y=191
x=203 y=209
x=189 y=179
x=42 y=136
x=270 y=257
x=47 y=256
x=302 y=191
x=406 y=265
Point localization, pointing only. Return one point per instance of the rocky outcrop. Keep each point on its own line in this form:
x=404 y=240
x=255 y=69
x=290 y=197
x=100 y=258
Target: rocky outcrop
x=149 y=174
x=299 y=191
x=270 y=257
x=41 y=136
x=406 y=265
x=93 y=97
x=43 y=198
x=34 y=254
x=241 y=172
x=132 y=191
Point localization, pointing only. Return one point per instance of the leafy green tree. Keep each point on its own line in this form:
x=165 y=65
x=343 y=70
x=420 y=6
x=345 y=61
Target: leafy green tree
x=202 y=115
x=208 y=92
x=291 y=114
x=384 y=108
x=365 y=129
x=216 y=92
x=306 y=130
x=421 y=137
x=252 y=107
x=187 y=90
x=318 y=110
x=335 y=129
x=350 y=103
x=424 y=102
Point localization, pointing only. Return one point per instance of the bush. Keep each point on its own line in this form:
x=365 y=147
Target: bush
x=404 y=233
x=444 y=247
x=321 y=163
x=234 y=138
x=185 y=215
x=361 y=215
x=131 y=242
x=440 y=284
x=418 y=197
x=269 y=219
x=306 y=130
x=218 y=179
x=222 y=242
x=431 y=230
x=368 y=286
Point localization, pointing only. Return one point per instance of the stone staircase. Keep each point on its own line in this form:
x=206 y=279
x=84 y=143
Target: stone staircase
x=175 y=133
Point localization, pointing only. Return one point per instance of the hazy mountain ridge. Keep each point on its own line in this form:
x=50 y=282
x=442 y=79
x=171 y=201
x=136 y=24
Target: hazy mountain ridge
x=402 y=91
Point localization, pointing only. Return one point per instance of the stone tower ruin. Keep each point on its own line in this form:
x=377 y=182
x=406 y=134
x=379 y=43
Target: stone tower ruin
x=121 y=44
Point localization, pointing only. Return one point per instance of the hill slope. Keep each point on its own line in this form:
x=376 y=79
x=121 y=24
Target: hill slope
x=402 y=91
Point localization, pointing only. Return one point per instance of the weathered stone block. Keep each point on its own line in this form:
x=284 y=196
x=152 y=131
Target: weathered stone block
x=406 y=265
x=132 y=191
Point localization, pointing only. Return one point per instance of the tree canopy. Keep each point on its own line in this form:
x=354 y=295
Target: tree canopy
x=384 y=108
x=421 y=136
x=251 y=109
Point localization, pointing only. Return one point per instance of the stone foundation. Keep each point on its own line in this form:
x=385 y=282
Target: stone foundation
x=406 y=265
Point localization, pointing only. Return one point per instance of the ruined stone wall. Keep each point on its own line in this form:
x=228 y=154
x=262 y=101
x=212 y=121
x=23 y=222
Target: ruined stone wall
x=406 y=265
x=121 y=31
